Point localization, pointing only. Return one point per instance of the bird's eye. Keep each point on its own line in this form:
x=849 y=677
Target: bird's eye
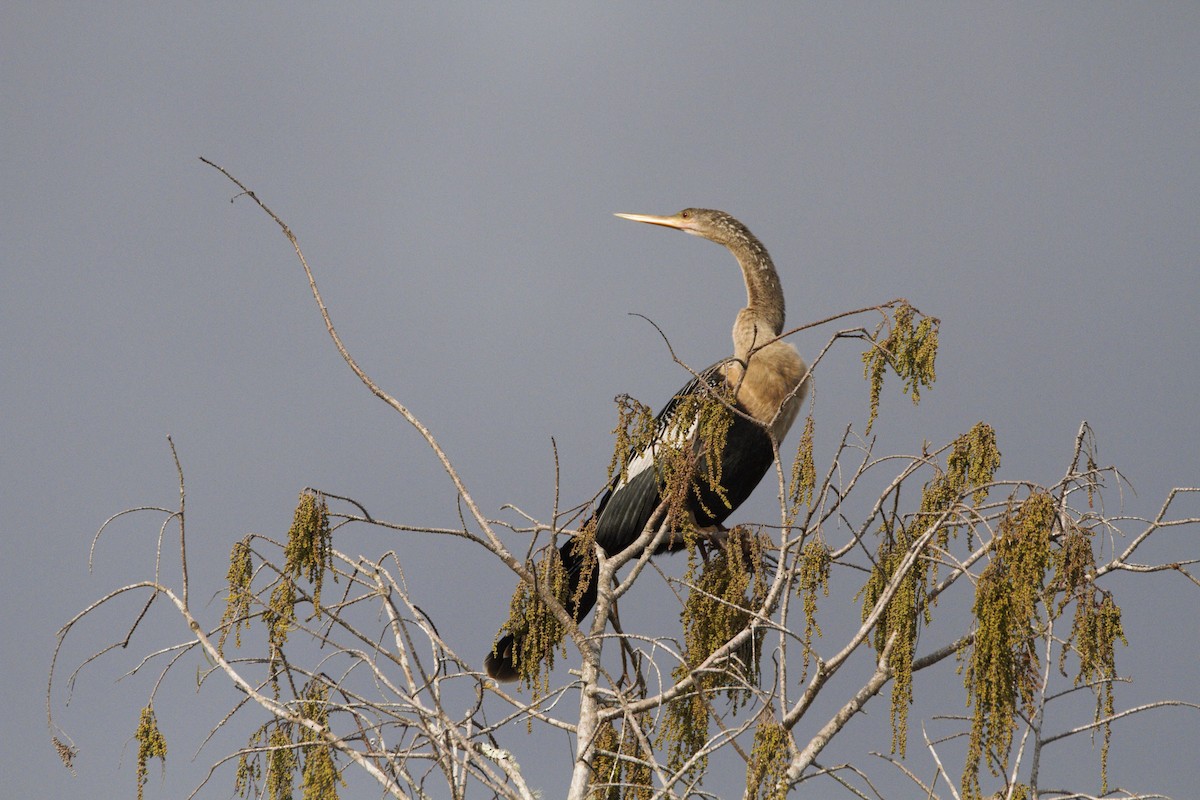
x=685 y=214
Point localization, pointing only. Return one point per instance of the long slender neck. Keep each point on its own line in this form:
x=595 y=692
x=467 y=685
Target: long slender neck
x=762 y=318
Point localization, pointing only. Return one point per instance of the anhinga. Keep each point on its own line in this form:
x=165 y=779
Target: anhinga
x=765 y=379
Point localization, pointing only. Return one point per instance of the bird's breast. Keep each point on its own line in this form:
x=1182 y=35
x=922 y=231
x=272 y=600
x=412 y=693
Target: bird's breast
x=769 y=386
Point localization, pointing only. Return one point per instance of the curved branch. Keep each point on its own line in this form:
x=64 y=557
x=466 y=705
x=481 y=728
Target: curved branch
x=1114 y=717
x=494 y=542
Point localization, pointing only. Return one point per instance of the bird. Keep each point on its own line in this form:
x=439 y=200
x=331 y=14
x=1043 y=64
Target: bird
x=766 y=379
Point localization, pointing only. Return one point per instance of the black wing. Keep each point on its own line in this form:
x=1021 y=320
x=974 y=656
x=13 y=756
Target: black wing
x=627 y=506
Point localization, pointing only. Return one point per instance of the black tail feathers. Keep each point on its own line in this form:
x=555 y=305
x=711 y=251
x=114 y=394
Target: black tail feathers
x=501 y=660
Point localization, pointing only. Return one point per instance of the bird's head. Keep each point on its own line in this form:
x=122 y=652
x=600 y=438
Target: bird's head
x=716 y=226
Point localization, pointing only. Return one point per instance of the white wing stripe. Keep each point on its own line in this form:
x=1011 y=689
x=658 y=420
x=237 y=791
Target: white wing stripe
x=644 y=459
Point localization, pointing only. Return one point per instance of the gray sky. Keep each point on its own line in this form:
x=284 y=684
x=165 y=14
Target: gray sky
x=1030 y=175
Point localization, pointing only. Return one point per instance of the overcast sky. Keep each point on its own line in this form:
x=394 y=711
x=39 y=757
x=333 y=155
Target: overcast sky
x=1030 y=174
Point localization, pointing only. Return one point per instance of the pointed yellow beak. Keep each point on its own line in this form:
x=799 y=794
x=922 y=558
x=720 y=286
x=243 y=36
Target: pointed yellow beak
x=675 y=221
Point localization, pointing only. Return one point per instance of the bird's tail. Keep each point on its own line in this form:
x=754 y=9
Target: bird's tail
x=501 y=661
